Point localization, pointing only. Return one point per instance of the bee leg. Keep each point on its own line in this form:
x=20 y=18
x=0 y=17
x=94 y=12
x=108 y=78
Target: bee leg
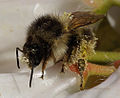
x=69 y=53
x=43 y=68
x=63 y=68
x=81 y=67
x=81 y=84
x=66 y=58
x=44 y=65
x=59 y=61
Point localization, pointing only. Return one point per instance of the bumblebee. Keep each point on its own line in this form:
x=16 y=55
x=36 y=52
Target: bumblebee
x=67 y=38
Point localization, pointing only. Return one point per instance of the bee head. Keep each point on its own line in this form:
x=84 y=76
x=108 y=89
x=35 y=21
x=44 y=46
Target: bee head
x=33 y=52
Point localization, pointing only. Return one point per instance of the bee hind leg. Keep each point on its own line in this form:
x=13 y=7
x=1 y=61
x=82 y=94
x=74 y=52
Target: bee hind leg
x=63 y=68
x=81 y=67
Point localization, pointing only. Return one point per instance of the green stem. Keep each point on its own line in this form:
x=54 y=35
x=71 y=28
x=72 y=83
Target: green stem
x=106 y=5
x=104 y=57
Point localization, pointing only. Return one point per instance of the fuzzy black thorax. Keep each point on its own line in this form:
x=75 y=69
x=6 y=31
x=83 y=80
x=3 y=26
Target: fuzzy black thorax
x=46 y=27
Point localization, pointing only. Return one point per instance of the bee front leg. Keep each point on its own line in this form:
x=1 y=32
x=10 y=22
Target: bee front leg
x=44 y=66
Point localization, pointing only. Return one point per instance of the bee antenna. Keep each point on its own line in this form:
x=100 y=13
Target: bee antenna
x=17 y=56
x=31 y=76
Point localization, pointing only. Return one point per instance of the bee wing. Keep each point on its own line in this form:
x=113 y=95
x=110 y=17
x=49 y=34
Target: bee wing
x=80 y=19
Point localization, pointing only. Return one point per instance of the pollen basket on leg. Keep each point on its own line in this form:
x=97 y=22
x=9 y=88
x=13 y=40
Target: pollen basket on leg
x=81 y=45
